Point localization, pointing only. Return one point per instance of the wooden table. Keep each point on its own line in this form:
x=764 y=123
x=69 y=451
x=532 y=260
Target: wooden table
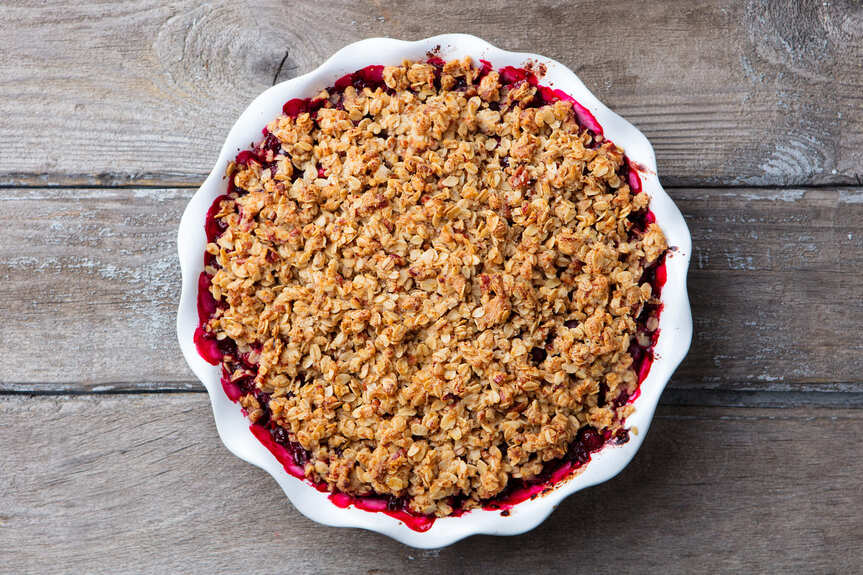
x=113 y=114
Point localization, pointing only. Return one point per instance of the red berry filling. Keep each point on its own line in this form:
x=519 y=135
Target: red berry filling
x=293 y=456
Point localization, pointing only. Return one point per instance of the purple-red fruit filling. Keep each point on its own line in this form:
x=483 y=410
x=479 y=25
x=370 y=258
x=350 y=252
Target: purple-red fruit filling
x=292 y=456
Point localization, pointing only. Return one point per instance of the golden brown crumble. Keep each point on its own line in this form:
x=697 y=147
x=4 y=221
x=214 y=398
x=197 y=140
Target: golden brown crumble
x=434 y=279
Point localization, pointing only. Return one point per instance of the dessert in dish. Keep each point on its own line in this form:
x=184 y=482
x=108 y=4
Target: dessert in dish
x=432 y=287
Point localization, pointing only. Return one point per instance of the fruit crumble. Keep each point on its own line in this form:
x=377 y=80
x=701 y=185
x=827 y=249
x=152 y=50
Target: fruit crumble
x=432 y=283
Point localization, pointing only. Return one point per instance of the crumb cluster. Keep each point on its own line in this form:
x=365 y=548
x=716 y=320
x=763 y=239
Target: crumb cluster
x=437 y=280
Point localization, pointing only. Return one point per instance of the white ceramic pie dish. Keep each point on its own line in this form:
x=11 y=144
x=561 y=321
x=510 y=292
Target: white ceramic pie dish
x=675 y=320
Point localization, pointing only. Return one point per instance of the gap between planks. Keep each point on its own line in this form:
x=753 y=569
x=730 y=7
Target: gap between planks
x=671 y=397
x=853 y=185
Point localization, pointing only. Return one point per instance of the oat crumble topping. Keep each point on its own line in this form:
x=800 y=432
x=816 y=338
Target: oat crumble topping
x=438 y=281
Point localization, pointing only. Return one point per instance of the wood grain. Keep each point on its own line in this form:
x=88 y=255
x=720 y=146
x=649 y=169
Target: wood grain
x=89 y=282
x=148 y=487
x=761 y=93
x=773 y=288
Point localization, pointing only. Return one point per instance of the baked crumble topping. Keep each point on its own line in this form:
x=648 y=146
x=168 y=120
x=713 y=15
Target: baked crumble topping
x=432 y=278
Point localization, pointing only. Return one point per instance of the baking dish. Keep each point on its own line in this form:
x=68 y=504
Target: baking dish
x=675 y=320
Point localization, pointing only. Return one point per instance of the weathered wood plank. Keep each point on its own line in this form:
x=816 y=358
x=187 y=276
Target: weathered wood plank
x=773 y=289
x=102 y=93
x=89 y=282
x=149 y=488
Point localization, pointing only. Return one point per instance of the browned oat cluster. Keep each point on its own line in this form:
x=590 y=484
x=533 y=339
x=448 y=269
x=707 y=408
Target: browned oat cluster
x=434 y=280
